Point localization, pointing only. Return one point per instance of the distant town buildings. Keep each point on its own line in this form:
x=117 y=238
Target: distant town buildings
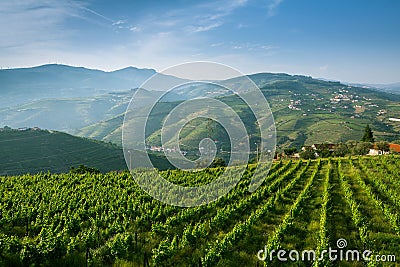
x=374 y=151
x=165 y=149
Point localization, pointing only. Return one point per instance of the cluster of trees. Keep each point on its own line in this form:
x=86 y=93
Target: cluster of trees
x=82 y=169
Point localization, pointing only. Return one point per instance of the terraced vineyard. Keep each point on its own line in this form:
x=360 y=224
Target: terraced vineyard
x=107 y=220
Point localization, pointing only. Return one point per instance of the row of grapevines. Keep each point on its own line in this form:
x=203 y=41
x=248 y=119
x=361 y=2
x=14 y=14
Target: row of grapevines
x=385 y=167
x=240 y=190
x=223 y=216
x=218 y=248
x=382 y=187
x=55 y=215
x=323 y=239
x=239 y=208
x=275 y=237
x=358 y=219
x=389 y=213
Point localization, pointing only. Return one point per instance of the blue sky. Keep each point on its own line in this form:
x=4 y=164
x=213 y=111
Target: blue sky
x=347 y=40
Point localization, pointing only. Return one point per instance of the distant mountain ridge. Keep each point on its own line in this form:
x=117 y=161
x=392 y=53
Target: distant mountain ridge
x=393 y=88
x=23 y=85
x=390 y=88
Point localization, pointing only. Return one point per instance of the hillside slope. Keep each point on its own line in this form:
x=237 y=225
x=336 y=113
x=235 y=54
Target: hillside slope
x=35 y=150
x=32 y=151
x=305 y=110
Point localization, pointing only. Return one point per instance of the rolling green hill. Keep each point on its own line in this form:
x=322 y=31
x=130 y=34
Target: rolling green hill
x=305 y=110
x=34 y=150
x=310 y=111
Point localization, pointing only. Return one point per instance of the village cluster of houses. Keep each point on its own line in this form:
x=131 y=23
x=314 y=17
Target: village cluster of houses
x=392 y=147
x=373 y=151
x=165 y=149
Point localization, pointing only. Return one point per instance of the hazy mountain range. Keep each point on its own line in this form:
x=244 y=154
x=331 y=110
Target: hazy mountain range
x=91 y=103
x=24 y=85
x=390 y=88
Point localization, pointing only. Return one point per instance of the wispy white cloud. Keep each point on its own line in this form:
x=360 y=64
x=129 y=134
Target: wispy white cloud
x=33 y=21
x=44 y=21
x=212 y=15
x=135 y=29
x=201 y=17
x=216 y=44
x=203 y=28
x=272 y=6
x=104 y=20
x=254 y=47
x=32 y=30
x=119 y=22
x=98 y=14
